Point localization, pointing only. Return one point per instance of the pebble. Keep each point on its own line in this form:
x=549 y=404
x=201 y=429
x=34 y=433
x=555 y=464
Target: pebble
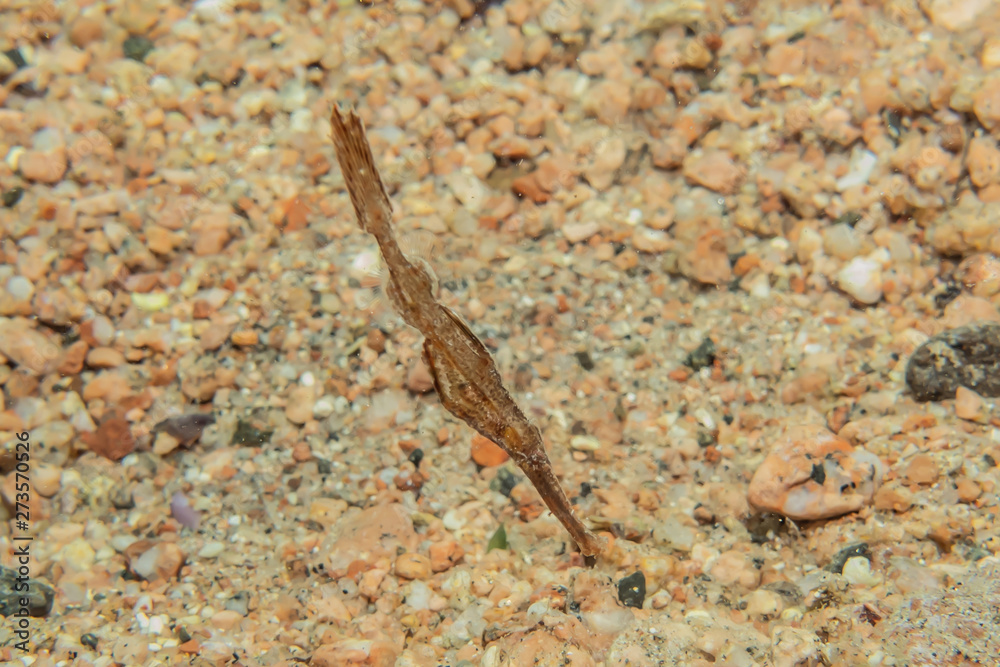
x=46 y=479
x=467 y=189
x=922 y=469
x=46 y=161
x=104 y=357
x=858 y=572
x=980 y=274
x=444 y=555
x=487 y=453
x=27 y=347
x=708 y=262
x=301 y=401
x=968 y=490
x=113 y=439
x=152 y=560
x=986 y=104
x=85 y=30
x=632 y=590
x=990 y=57
x=419 y=379
x=955 y=15
x=225 y=620
x=652 y=241
x=324 y=407
x=812 y=474
x=413 y=566
x=78 y=555
x=763 y=604
x=577 y=232
x=984 y=161
x=964 y=357
x=212 y=549
x=970 y=406
x=39 y=596
x=376 y=532
x=714 y=170
x=861 y=278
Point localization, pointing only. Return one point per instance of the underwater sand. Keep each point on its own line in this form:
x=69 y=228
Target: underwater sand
x=702 y=241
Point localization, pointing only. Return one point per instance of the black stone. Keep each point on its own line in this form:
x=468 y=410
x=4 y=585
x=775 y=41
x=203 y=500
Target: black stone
x=585 y=360
x=16 y=57
x=504 y=482
x=248 y=434
x=121 y=498
x=89 y=640
x=12 y=196
x=415 y=457
x=38 y=597
x=703 y=355
x=137 y=47
x=964 y=357
x=765 y=526
x=632 y=590
x=837 y=564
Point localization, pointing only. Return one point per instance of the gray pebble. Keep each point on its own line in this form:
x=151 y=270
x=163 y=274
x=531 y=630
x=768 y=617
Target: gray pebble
x=964 y=357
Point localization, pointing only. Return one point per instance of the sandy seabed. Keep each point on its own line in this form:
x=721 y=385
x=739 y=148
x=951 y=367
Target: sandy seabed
x=702 y=240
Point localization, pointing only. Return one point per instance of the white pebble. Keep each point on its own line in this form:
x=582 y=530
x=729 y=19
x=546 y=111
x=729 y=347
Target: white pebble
x=858 y=571
x=452 y=520
x=211 y=550
x=584 y=443
x=862 y=280
x=102 y=330
x=324 y=407
x=20 y=288
x=861 y=168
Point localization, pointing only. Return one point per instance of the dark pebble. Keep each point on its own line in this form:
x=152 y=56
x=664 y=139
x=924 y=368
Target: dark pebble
x=12 y=196
x=632 y=590
x=185 y=428
x=703 y=355
x=248 y=434
x=16 y=57
x=765 y=526
x=121 y=498
x=137 y=47
x=39 y=596
x=964 y=357
x=89 y=640
x=504 y=482
x=415 y=457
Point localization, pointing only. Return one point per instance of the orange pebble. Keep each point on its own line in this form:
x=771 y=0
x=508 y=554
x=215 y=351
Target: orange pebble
x=486 y=453
x=679 y=374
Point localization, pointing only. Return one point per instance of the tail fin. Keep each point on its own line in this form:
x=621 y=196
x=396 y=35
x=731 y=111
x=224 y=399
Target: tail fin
x=364 y=184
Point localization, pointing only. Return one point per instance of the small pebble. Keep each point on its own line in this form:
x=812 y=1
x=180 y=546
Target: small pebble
x=632 y=590
x=862 y=280
x=211 y=550
x=812 y=474
x=922 y=469
x=487 y=453
x=413 y=566
x=46 y=480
